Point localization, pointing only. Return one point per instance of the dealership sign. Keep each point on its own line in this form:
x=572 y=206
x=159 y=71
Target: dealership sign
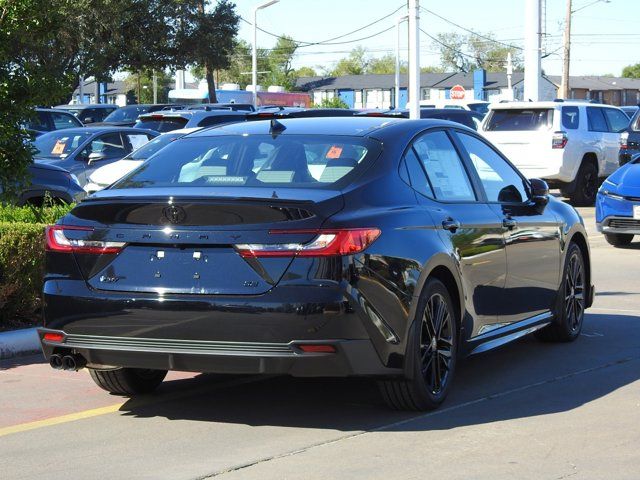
x=457 y=92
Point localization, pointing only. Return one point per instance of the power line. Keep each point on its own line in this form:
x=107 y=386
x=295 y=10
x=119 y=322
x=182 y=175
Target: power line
x=330 y=41
x=493 y=40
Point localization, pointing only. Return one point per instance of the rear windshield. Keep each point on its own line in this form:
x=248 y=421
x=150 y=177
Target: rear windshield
x=161 y=124
x=153 y=146
x=520 y=119
x=126 y=114
x=482 y=108
x=297 y=161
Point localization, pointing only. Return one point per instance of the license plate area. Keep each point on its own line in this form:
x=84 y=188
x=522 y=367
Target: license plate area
x=636 y=212
x=210 y=270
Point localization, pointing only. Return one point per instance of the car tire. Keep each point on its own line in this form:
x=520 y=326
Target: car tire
x=128 y=381
x=618 y=239
x=432 y=369
x=572 y=297
x=586 y=186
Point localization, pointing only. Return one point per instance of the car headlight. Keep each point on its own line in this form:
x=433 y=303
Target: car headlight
x=609 y=194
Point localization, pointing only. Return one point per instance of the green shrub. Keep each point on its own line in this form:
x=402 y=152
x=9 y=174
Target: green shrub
x=30 y=214
x=21 y=273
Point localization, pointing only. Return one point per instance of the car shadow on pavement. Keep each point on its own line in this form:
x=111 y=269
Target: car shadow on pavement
x=595 y=362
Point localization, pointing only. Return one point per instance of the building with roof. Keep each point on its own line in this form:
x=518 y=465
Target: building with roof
x=378 y=91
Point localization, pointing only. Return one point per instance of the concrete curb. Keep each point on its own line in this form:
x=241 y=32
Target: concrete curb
x=19 y=342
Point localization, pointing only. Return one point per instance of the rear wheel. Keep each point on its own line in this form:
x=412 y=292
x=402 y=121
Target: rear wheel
x=618 y=239
x=586 y=189
x=128 y=381
x=432 y=350
x=571 y=301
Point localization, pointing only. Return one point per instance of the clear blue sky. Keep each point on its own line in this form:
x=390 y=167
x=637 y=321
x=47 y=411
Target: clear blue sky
x=605 y=36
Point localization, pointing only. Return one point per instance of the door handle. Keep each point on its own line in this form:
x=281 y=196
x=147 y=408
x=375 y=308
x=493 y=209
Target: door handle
x=509 y=223
x=450 y=224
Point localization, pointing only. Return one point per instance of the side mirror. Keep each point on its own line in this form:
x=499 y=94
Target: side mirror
x=96 y=157
x=539 y=192
x=87 y=120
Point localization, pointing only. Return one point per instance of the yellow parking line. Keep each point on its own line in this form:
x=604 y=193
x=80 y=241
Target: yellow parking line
x=23 y=427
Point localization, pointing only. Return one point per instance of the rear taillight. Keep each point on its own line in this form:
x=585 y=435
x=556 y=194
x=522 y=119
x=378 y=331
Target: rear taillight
x=624 y=140
x=559 y=140
x=57 y=241
x=53 y=337
x=327 y=243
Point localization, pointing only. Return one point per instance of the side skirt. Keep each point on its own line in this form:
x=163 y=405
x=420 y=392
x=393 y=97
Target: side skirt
x=501 y=336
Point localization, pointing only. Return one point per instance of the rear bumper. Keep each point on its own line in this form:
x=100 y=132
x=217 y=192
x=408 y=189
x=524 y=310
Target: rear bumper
x=351 y=357
x=215 y=333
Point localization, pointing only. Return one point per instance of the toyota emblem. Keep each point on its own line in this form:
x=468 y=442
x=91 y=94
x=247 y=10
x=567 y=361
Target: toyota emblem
x=174 y=214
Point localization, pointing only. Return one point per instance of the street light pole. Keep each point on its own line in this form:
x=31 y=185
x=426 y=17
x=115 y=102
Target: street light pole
x=254 y=56
x=414 y=59
x=397 y=80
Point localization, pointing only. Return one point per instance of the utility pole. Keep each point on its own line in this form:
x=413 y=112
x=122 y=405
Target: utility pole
x=532 y=62
x=254 y=50
x=564 y=84
x=397 y=79
x=414 y=59
x=509 y=74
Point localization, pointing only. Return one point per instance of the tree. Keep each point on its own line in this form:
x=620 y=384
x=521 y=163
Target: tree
x=385 y=64
x=631 y=71
x=355 y=64
x=144 y=82
x=334 y=102
x=205 y=37
x=280 y=58
x=306 y=72
x=465 y=53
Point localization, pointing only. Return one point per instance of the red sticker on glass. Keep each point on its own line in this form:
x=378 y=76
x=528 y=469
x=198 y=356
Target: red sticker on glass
x=334 y=152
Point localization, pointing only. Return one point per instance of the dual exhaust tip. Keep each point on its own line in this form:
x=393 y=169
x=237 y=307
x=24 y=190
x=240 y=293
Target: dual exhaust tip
x=67 y=362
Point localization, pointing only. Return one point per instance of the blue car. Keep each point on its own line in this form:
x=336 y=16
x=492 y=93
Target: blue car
x=618 y=204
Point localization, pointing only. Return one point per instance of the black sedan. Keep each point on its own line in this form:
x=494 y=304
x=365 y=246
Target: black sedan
x=128 y=116
x=313 y=247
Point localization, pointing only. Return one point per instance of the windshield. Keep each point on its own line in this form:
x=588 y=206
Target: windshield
x=300 y=161
x=59 y=144
x=154 y=146
x=161 y=124
x=518 y=119
x=126 y=114
x=482 y=108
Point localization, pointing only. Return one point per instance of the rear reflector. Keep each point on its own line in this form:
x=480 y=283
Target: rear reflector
x=326 y=244
x=53 y=337
x=57 y=241
x=317 y=348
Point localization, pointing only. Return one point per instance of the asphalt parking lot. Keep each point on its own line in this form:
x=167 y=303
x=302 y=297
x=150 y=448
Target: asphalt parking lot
x=528 y=411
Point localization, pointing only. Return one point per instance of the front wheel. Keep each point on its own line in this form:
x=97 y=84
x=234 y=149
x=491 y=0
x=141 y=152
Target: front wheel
x=431 y=349
x=128 y=381
x=570 y=307
x=618 y=239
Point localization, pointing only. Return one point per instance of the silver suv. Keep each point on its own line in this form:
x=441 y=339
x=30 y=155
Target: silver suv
x=570 y=144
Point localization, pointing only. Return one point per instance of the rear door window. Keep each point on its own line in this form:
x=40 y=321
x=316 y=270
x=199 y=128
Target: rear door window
x=597 y=122
x=618 y=121
x=570 y=118
x=219 y=120
x=445 y=171
x=109 y=145
x=519 y=119
x=160 y=123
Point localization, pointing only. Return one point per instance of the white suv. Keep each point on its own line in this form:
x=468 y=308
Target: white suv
x=570 y=144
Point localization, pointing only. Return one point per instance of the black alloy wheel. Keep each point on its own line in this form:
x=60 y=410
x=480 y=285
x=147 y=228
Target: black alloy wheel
x=586 y=185
x=571 y=303
x=436 y=343
x=431 y=352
